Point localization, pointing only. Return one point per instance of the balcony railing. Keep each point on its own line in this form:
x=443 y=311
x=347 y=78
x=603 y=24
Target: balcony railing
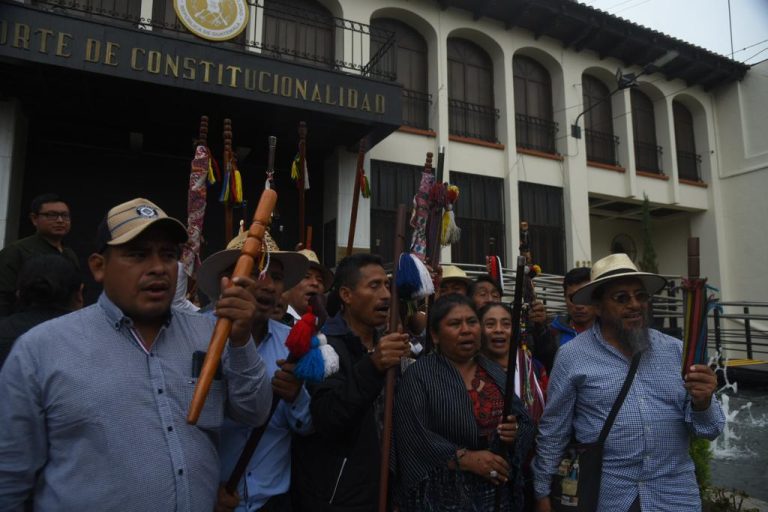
x=648 y=157
x=357 y=37
x=535 y=133
x=416 y=109
x=602 y=147
x=471 y=120
x=688 y=165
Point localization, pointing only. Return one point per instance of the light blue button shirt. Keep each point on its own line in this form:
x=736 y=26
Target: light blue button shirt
x=646 y=452
x=269 y=471
x=103 y=420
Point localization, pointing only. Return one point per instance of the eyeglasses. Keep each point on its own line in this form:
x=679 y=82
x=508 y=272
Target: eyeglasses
x=623 y=298
x=55 y=215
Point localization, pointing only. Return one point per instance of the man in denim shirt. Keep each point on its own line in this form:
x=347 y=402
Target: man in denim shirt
x=94 y=403
x=646 y=465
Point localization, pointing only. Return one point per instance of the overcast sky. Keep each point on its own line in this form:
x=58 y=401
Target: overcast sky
x=701 y=22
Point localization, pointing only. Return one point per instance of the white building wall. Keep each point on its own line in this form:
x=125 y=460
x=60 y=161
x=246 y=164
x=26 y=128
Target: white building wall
x=742 y=145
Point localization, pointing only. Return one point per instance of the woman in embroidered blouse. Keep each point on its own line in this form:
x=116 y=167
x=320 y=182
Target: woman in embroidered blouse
x=448 y=427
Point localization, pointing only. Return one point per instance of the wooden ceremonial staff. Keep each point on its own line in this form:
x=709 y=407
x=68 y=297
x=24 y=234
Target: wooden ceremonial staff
x=303 y=178
x=243 y=268
x=389 y=387
x=356 y=197
x=228 y=170
x=517 y=307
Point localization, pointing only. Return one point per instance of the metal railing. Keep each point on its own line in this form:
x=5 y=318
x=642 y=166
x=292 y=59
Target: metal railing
x=416 y=109
x=648 y=157
x=602 y=147
x=688 y=165
x=535 y=133
x=472 y=120
x=735 y=328
x=355 y=57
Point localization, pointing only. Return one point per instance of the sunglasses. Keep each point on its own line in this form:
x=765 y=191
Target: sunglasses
x=624 y=298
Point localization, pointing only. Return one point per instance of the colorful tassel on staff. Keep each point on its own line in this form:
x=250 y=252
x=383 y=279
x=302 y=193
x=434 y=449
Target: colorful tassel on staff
x=365 y=187
x=450 y=233
x=315 y=359
x=493 y=265
x=413 y=279
x=297 y=174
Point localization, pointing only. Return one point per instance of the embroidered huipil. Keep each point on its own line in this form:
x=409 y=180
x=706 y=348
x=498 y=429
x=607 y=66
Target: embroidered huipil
x=646 y=452
x=269 y=470
x=104 y=420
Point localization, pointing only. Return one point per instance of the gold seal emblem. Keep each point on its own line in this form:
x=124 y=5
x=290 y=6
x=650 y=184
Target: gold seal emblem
x=215 y=20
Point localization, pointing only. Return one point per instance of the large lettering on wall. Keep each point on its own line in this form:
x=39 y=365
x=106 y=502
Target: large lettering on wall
x=37 y=36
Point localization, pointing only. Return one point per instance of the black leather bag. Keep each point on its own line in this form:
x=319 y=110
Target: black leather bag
x=576 y=486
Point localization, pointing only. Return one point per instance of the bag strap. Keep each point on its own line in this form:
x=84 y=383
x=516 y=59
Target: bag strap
x=620 y=399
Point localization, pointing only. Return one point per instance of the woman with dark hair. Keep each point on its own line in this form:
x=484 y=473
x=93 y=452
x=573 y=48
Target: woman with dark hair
x=496 y=321
x=48 y=286
x=451 y=447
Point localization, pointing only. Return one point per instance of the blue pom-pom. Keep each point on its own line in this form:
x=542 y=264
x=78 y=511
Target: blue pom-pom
x=408 y=279
x=311 y=367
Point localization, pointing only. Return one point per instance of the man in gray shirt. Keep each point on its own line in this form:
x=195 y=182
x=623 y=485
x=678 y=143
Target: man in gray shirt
x=93 y=414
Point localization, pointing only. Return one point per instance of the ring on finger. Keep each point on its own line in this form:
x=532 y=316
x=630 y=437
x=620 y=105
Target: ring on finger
x=494 y=473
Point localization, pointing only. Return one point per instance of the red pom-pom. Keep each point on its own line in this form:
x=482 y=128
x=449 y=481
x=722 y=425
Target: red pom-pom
x=299 y=340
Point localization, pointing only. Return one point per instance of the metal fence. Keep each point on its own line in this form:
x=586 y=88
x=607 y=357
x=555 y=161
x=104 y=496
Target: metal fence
x=648 y=157
x=348 y=48
x=688 y=165
x=735 y=328
x=472 y=120
x=602 y=147
x=535 y=133
x=416 y=109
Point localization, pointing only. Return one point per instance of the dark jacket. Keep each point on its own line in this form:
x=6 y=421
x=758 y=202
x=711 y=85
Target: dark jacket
x=13 y=326
x=12 y=258
x=337 y=467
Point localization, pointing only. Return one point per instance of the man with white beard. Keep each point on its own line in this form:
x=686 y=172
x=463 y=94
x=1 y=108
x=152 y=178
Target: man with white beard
x=646 y=465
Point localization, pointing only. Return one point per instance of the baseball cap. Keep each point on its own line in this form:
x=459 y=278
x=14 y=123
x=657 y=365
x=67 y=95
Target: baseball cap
x=128 y=220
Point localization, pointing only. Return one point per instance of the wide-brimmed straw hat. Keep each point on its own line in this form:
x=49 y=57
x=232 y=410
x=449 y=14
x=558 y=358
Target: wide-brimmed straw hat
x=454 y=273
x=613 y=267
x=208 y=275
x=314 y=262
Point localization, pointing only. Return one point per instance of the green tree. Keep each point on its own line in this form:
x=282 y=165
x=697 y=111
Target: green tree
x=648 y=262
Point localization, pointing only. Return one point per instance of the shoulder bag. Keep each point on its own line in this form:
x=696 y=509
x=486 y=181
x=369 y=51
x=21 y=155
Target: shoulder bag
x=576 y=485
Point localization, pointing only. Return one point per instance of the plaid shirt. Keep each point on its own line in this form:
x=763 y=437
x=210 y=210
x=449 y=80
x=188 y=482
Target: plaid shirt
x=646 y=452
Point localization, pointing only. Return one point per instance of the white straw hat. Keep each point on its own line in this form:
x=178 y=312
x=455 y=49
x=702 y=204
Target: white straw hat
x=613 y=267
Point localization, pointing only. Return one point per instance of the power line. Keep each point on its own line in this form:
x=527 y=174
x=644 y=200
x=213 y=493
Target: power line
x=631 y=7
x=755 y=55
x=751 y=46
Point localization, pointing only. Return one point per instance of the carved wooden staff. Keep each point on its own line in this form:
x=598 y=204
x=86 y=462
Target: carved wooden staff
x=389 y=387
x=243 y=268
x=356 y=197
x=509 y=393
x=228 y=176
x=302 y=172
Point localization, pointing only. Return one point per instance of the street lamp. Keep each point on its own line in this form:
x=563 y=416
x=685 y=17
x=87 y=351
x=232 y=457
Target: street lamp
x=625 y=81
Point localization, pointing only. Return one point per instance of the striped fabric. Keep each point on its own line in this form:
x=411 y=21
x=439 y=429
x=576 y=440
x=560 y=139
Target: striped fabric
x=105 y=422
x=646 y=452
x=433 y=419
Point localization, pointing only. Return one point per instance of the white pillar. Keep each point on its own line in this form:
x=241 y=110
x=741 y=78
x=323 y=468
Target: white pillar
x=13 y=143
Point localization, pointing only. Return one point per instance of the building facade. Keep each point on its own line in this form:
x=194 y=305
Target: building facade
x=551 y=112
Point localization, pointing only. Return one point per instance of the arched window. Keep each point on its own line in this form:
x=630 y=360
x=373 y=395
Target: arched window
x=598 y=121
x=299 y=30
x=688 y=161
x=470 y=91
x=533 y=105
x=411 y=64
x=647 y=153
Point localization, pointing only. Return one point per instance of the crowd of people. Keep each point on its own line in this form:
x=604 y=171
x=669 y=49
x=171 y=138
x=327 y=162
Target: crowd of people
x=94 y=400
